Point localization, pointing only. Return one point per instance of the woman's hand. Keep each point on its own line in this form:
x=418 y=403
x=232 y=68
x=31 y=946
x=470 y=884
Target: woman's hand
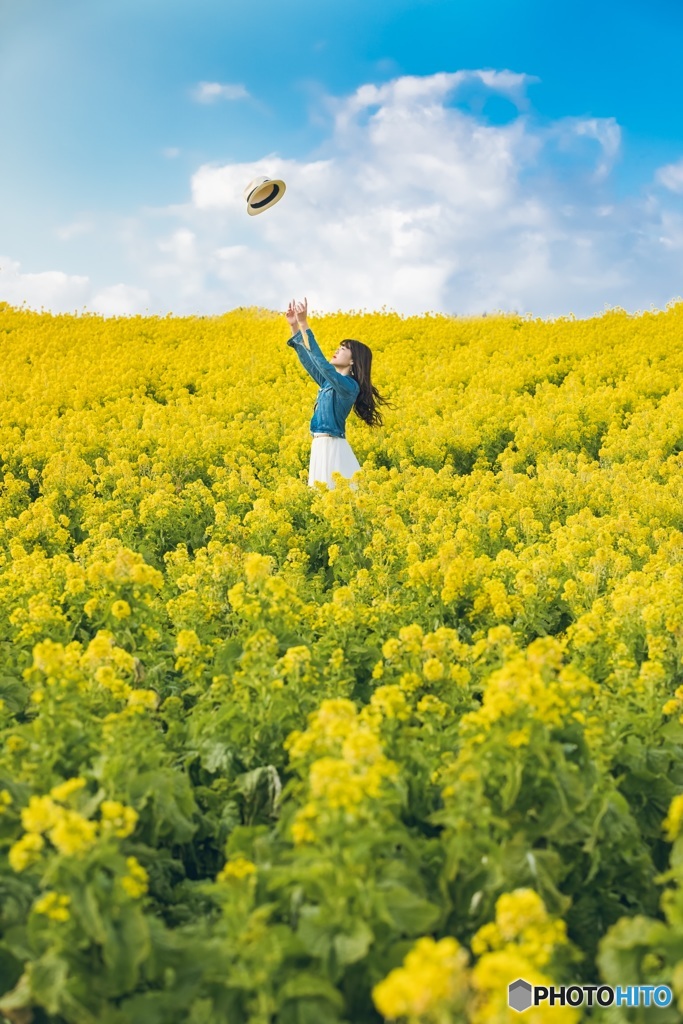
x=291 y=316
x=302 y=314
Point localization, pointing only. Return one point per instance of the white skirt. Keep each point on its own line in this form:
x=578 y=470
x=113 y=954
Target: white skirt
x=329 y=455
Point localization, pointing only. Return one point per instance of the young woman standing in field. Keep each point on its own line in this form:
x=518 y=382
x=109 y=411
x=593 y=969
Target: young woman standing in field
x=344 y=384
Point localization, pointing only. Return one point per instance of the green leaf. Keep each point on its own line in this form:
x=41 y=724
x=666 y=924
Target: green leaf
x=314 y=931
x=48 y=979
x=87 y=910
x=10 y=970
x=173 y=803
x=406 y=911
x=261 y=789
x=157 y=1008
x=309 y=1011
x=14 y=693
x=20 y=996
x=310 y=986
x=353 y=945
x=227 y=655
x=216 y=757
x=676 y=856
x=621 y=950
x=287 y=640
x=513 y=783
x=126 y=947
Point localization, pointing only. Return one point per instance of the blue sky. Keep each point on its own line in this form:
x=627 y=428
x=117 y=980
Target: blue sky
x=547 y=177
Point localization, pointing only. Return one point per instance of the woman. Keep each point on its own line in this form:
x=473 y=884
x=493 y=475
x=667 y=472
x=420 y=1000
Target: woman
x=345 y=384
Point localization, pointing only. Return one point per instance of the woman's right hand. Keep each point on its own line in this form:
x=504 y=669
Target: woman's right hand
x=291 y=315
x=302 y=314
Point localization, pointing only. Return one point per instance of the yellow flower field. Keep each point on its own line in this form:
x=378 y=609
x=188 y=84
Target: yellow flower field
x=274 y=754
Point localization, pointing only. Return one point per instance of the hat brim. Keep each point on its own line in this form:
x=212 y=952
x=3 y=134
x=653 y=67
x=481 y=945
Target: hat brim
x=253 y=209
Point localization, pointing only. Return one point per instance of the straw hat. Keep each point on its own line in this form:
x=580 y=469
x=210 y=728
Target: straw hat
x=262 y=193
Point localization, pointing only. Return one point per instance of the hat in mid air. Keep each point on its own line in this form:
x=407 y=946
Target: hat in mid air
x=262 y=193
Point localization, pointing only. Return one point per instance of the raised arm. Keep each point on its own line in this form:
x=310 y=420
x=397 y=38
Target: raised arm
x=343 y=384
x=297 y=342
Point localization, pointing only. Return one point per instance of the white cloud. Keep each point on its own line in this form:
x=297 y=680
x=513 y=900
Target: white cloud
x=426 y=94
x=414 y=203
x=119 y=300
x=672 y=230
x=49 y=289
x=417 y=205
x=607 y=133
x=209 y=92
x=171 y=152
x=68 y=231
x=180 y=245
x=57 y=292
x=671 y=176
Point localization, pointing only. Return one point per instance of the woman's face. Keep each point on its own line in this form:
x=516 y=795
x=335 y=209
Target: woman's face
x=342 y=357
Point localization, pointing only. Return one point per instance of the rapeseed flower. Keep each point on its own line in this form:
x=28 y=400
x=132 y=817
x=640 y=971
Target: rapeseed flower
x=25 y=851
x=238 y=869
x=117 y=817
x=431 y=982
x=64 y=790
x=41 y=814
x=674 y=818
x=525 y=489
x=136 y=881
x=72 y=834
x=54 y=905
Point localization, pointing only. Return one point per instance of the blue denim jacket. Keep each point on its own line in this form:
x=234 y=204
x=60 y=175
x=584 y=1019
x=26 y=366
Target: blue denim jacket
x=337 y=392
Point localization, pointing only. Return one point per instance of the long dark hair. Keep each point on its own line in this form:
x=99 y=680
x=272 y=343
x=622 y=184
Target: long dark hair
x=369 y=398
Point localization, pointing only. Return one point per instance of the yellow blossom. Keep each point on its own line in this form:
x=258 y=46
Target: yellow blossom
x=238 y=869
x=674 y=818
x=433 y=670
x=117 y=817
x=64 y=790
x=302 y=830
x=106 y=676
x=429 y=704
x=517 y=910
x=53 y=905
x=120 y=609
x=391 y=701
x=25 y=851
x=518 y=737
x=295 y=658
x=136 y=881
x=139 y=700
x=390 y=648
x=40 y=814
x=73 y=834
x=431 y=981
x=490 y=978
x=257 y=568
x=187 y=642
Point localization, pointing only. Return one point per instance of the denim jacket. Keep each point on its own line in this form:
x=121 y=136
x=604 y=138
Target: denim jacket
x=338 y=392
